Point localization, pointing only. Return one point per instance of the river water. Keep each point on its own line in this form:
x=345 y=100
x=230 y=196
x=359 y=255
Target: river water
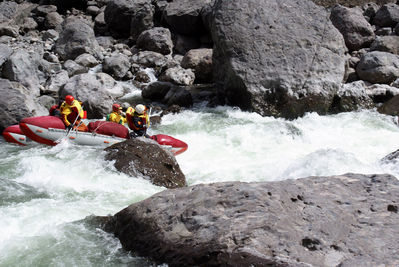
x=46 y=192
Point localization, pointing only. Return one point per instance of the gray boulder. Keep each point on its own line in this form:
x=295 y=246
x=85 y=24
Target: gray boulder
x=8 y=9
x=356 y=30
x=74 y=68
x=97 y=91
x=178 y=95
x=149 y=59
x=157 y=39
x=350 y=221
x=350 y=97
x=53 y=20
x=200 y=60
x=279 y=58
x=55 y=83
x=16 y=104
x=143 y=157
x=184 y=16
x=5 y=53
x=129 y=18
x=117 y=65
x=387 y=16
x=178 y=76
x=378 y=67
x=77 y=38
x=391 y=107
x=388 y=44
x=156 y=91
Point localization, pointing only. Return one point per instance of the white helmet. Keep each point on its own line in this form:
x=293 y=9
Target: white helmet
x=140 y=109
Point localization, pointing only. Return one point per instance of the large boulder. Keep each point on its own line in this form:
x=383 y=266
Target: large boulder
x=129 y=18
x=77 y=38
x=351 y=221
x=378 y=67
x=391 y=107
x=350 y=97
x=184 y=16
x=388 y=44
x=280 y=58
x=143 y=157
x=157 y=39
x=5 y=53
x=8 y=10
x=117 y=65
x=200 y=60
x=97 y=91
x=387 y=16
x=16 y=104
x=356 y=30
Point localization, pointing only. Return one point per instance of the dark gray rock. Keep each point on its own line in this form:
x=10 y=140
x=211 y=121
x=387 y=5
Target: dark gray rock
x=345 y=220
x=387 y=16
x=356 y=30
x=149 y=59
x=77 y=38
x=129 y=18
x=74 y=68
x=184 y=43
x=391 y=107
x=43 y=10
x=16 y=104
x=143 y=157
x=397 y=29
x=157 y=39
x=178 y=95
x=184 y=16
x=97 y=91
x=200 y=60
x=156 y=91
x=280 y=58
x=55 y=83
x=53 y=20
x=388 y=44
x=381 y=93
x=378 y=67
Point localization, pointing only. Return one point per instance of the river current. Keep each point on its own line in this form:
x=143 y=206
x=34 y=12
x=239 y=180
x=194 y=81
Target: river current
x=46 y=192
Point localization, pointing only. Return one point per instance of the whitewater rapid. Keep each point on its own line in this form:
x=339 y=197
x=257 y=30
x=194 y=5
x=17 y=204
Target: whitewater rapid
x=45 y=192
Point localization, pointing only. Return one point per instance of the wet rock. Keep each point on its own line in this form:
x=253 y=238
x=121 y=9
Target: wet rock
x=381 y=93
x=350 y=97
x=390 y=107
x=356 y=30
x=351 y=221
x=157 y=39
x=178 y=95
x=184 y=43
x=156 y=91
x=143 y=157
x=378 y=67
x=288 y=78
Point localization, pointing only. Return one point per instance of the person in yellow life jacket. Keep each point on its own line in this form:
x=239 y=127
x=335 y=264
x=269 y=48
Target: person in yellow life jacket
x=72 y=113
x=138 y=121
x=116 y=115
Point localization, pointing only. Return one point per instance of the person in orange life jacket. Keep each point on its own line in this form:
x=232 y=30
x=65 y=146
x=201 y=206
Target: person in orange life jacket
x=72 y=113
x=138 y=121
x=116 y=115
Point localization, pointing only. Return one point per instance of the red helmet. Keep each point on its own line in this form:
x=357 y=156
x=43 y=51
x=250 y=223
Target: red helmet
x=69 y=99
x=116 y=107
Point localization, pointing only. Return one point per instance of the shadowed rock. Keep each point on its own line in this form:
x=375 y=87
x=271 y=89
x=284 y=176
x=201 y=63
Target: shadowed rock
x=345 y=220
x=144 y=157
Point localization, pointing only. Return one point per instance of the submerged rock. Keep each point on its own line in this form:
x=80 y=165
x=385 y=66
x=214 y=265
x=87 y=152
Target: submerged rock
x=144 y=157
x=345 y=220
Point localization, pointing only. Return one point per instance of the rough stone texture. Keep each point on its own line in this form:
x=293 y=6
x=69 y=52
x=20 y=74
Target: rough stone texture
x=200 y=60
x=350 y=97
x=356 y=30
x=391 y=107
x=8 y=10
x=5 y=53
x=280 y=58
x=387 y=16
x=77 y=38
x=378 y=67
x=388 y=44
x=178 y=75
x=350 y=3
x=55 y=82
x=156 y=91
x=149 y=59
x=97 y=91
x=126 y=18
x=144 y=157
x=74 y=68
x=16 y=104
x=178 y=95
x=157 y=39
x=381 y=93
x=184 y=16
x=345 y=220
x=117 y=65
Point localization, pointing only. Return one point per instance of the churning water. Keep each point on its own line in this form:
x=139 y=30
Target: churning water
x=45 y=192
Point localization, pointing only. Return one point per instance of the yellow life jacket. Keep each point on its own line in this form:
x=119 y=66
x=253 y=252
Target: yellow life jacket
x=67 y=112
x=115 y=117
